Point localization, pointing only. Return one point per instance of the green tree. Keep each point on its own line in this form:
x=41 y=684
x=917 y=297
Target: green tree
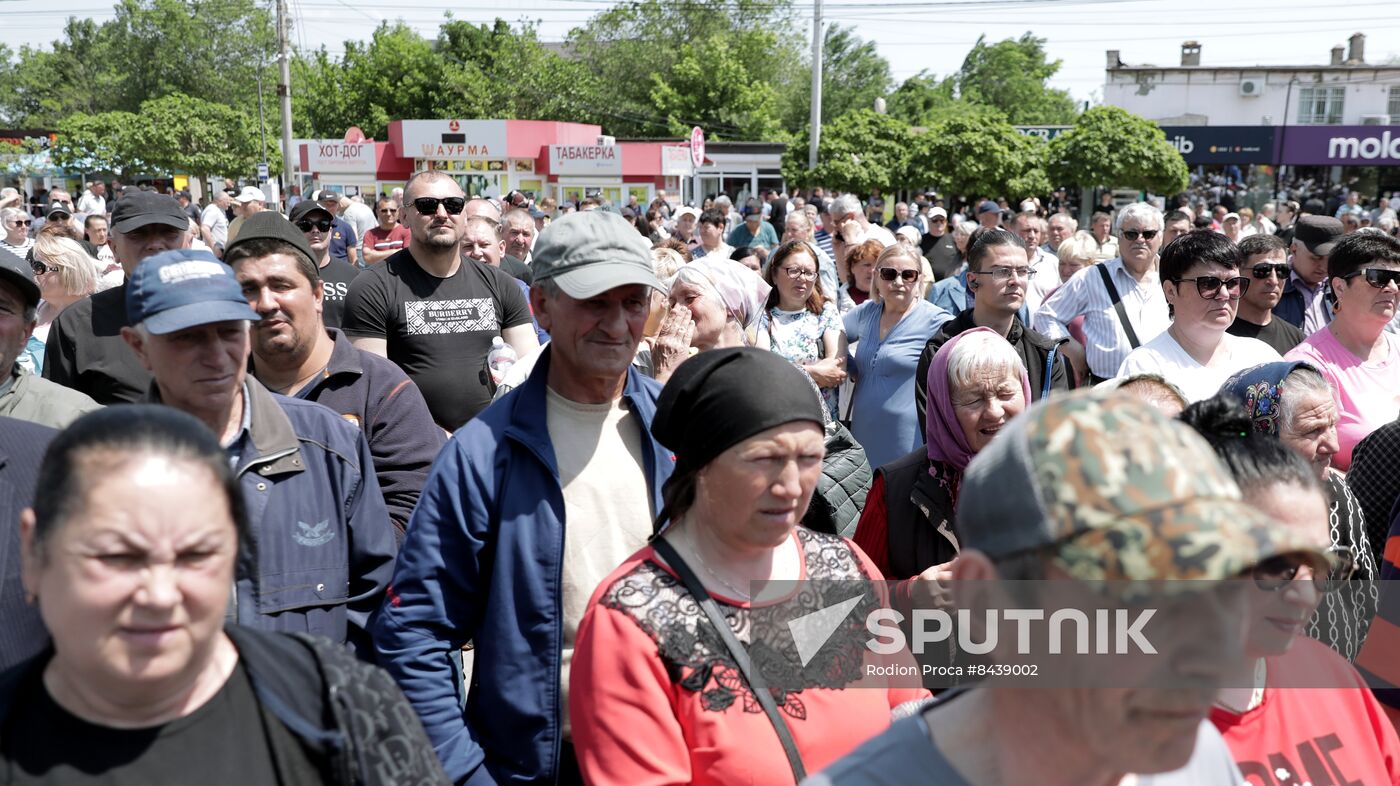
x=499 y=71
x=1113 y=148
x=710 y=86
x=978 y=153
x=853 y=76
x=1011 y=76
x=924 y=99
x=39 y=87
x=394 y=75
x=97 y=142
x=858 y=151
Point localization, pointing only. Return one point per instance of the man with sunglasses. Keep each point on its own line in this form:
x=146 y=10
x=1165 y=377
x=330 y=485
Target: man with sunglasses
x=1266 y=264
x=434 y=313
x=344 y=241
x=318 y=225
x=1201 y=280
x=1123 y=288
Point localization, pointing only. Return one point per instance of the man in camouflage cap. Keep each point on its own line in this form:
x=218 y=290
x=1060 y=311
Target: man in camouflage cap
x=1111 y=503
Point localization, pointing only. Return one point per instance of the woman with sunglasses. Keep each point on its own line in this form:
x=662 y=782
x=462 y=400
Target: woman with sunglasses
x=799 y=320
x=1294 y=704
x=892 y=328
x=16 y=238
x=1202 y=283
x=1354 y=352
x=65 y=274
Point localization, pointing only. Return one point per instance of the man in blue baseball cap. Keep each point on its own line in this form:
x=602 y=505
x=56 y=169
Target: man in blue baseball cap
x=322 y=547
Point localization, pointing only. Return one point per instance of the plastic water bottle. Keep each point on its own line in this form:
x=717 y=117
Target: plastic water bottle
x=499 y=360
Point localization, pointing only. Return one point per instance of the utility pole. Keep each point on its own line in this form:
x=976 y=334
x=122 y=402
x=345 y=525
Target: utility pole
x=816 y=134
x=284 y=95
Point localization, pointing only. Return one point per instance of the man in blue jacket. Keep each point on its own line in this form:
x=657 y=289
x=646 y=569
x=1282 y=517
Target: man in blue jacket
x=528 y=507
x=322 y=548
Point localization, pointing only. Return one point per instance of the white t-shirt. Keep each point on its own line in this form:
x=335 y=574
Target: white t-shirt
x=361 y=217
x=1162 y=355
x=217 y=221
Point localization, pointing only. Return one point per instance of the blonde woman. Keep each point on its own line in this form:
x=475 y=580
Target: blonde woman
x=892 y=328
x=65 y=274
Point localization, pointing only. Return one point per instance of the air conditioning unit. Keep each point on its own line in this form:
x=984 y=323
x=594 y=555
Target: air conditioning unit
x=1250 y=88
x=1375 y=120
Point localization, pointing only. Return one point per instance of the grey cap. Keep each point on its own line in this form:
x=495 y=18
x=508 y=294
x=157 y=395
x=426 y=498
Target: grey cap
x=1319 y=233
x=591 y=252
x=15 y=270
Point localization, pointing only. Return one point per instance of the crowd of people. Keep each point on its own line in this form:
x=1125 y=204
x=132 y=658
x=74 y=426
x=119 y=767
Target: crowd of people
x=456 y=489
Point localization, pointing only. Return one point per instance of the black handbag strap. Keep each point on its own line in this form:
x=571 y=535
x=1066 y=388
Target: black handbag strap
x=736 y=650
x=1118 y=305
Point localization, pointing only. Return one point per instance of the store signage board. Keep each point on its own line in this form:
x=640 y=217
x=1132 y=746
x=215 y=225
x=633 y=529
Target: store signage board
x=460 y=140
x=585 y=160
x=348 y=157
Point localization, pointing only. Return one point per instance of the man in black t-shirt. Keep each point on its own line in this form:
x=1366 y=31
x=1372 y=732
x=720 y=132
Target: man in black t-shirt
x=434 y=313
x=1266 y=264
x=85 y=350
x=317 y=223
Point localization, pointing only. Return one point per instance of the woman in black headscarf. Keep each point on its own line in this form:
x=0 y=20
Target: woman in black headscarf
x=653 y=674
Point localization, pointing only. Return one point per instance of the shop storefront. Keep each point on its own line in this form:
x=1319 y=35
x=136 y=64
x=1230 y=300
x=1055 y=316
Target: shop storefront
x=739 y=170
x=616 y=173
x=367 y=169
x=1370 y=155
x=488 y=157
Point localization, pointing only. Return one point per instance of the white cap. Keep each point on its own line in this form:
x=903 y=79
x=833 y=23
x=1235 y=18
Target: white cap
x=1229 y=216
x=251 y=194
x=909 y=232
x=686 y=210
x=937 y=211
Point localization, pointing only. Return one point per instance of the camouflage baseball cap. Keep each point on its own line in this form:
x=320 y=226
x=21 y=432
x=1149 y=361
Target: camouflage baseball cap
x=1114 y=491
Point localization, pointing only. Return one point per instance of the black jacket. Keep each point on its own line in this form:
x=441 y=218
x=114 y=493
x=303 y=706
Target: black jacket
x=919 y=512
x=347 y=717
x=22 y=446
x=1034 y=349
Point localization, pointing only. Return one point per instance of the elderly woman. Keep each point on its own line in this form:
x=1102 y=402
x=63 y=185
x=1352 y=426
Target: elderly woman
x=1293 y=402
x=15 y=223
x=715 y=303
x=1291 y=690
x=860 y=271
x=976 y=384
x=799 y=322
x=1201 y=279
x=890 y=331
x=1358 y=357
x=65 y=274
x=130 y=558
x=662 y=688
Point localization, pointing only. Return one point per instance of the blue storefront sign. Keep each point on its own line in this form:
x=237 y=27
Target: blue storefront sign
x=1223 y=144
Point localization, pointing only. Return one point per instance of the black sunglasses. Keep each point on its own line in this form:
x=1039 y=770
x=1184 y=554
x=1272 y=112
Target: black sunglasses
x=1132 y=234
x=1275 y=573
x=428 y=205
x=40 y=268
x=1263 y=271
x=1208 y=286
x=890 y=274
x=1377 y=277
x=323 y=224
x=22 y=222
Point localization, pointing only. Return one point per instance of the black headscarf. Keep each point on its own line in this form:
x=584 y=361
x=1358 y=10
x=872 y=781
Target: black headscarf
x=720 y=398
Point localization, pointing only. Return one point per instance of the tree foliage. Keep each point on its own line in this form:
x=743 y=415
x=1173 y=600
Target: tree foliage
x=1113 y=148
x=1011 y=76
x=711 y=87
x=923 y=100
x=858 y=151
x=854 y=74
x=977 y=154
x=176 y=133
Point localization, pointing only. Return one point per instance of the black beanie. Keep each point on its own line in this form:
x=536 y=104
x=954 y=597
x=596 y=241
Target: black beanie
x=721 y=397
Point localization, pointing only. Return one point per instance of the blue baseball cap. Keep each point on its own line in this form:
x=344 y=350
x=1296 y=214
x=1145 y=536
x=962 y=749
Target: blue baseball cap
x=179 y=289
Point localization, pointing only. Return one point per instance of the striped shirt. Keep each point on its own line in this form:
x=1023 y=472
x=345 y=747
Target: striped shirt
x=1084 y=295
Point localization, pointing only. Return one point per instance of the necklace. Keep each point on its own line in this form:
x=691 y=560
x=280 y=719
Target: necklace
x=300 y=382
x=695 y=549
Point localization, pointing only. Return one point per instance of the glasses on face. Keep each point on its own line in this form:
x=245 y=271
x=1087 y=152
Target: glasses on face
x=40 y=268
x=1209 y=286
x=1131 y=235
x=1263 y=271
x=323 y=224
x=388 y=211
x=1377 y=277
x=798 y=274
x=22 y=222
x=1001 y=274
x=1276 y=573
x=428 y=206
x=890 y=274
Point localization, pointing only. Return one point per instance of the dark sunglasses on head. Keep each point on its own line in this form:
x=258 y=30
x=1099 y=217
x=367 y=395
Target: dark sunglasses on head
x=1377 y=277
x=1275 y=573
x=890 y=274
x=1132 y=234
x=428 y=205
x=1208 y=286
x=1263 y=271
x=323 y=224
